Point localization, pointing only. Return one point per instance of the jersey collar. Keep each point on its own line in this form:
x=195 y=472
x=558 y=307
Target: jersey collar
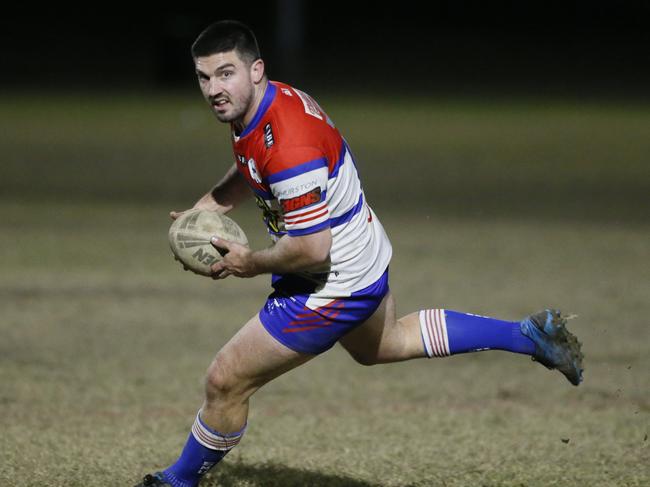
x=269 y=96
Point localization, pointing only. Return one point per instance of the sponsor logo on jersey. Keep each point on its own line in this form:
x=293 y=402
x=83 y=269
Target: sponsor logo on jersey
x=301 y=188
x=252 y=169
x=311 y=107
x=268 y=136
x=286 y=91
x=300 y=201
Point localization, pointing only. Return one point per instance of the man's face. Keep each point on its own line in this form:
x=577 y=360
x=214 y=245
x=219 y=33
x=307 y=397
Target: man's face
x=228 y=84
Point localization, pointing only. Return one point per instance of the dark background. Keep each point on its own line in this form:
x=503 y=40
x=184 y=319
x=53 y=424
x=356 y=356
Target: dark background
x=572 y=48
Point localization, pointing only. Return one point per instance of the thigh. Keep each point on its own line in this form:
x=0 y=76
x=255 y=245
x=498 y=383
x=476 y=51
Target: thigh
x=254 y=357
x=383 y=338
x=365 y=341
x=313 y=325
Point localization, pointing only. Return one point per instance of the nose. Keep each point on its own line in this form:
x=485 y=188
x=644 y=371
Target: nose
x=214 y=87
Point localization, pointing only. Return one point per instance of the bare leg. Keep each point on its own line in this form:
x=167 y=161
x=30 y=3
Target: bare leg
x=441 y=333
x=247 y=362
x=383 y=338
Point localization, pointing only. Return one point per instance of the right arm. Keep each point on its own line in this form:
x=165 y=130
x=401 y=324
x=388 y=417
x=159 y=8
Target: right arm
x=226 y=194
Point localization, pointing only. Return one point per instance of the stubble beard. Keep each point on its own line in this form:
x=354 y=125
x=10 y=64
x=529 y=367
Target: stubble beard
x=238 y=110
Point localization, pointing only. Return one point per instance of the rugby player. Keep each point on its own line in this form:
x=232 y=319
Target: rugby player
x=329 y=261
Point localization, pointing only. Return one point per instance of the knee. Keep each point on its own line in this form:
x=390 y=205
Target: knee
x=220 y=381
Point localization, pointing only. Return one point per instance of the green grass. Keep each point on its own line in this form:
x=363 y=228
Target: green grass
x=104 y=340
x=477 y=157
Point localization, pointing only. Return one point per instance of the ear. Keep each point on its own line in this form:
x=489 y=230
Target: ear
x=257 y=71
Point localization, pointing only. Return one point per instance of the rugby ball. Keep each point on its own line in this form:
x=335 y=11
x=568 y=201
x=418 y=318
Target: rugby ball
x=189 y=238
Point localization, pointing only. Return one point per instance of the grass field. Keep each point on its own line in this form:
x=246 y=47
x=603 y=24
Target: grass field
x=517 y=205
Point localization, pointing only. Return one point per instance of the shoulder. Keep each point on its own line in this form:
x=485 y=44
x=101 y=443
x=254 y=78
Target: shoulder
x=297 y=112
x=289 y=132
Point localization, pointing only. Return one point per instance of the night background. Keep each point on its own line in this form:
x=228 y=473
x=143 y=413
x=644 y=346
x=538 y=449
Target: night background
x=577 y=48
x=505 y=148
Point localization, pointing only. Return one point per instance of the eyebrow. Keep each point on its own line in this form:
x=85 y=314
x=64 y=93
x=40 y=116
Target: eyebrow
x=220 y=68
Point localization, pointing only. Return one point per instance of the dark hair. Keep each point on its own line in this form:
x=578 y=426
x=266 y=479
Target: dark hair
x=224 y=36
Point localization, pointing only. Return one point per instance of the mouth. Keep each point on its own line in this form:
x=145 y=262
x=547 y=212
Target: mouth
x=220 y=103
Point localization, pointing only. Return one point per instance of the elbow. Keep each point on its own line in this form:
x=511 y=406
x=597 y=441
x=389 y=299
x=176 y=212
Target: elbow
x=319 y=249
x=322 y=257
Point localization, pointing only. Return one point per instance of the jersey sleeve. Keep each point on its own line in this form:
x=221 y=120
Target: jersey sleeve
x=298 y=178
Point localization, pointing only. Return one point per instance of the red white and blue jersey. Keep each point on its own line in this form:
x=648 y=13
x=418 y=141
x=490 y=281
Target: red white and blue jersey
x=305 y=180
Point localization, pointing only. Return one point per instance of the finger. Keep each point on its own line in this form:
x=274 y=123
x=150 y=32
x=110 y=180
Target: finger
x=221 y=244
x=221 y=275
x=174 y=214
x=217 y=268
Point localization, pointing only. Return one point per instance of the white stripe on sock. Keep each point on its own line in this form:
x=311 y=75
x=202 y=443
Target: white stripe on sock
x=433 y=327
x=442 y=322
x=433 y=315
x=212 y=439
x=425 y=334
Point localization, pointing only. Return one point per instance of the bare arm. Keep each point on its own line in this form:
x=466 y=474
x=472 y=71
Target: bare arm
x=226 y=194
x=289 y=254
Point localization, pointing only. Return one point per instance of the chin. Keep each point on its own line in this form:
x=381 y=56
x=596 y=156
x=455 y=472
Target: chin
x=223 y=117
x=227 y=117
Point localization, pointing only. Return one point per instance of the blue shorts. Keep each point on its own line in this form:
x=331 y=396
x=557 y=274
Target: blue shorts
x=314 y=331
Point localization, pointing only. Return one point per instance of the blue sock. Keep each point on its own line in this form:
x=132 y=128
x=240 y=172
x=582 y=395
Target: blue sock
x=203 y=450
x=445 y=332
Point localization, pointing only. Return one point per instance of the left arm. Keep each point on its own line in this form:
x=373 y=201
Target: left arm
x=289 y=254
x=301 y=197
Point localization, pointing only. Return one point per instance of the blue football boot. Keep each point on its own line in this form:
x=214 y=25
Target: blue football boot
x=555 y=347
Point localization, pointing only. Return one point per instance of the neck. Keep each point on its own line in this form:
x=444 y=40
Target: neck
x=258 y=96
